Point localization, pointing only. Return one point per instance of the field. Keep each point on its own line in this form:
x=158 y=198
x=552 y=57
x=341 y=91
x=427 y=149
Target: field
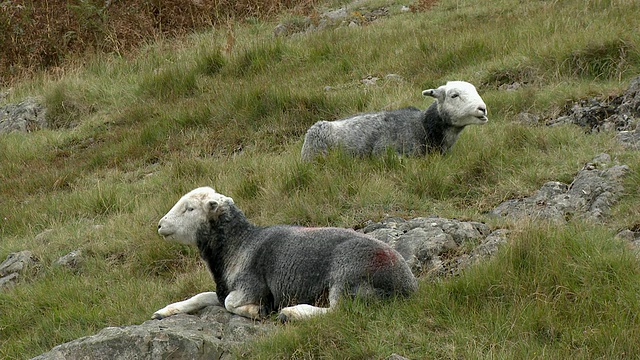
x=229 y=107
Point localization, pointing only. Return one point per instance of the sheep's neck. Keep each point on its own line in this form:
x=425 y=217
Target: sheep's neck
x=440 y=132
x=220 y=241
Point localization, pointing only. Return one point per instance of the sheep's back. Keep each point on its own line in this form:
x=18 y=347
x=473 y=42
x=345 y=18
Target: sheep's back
x=372 y=133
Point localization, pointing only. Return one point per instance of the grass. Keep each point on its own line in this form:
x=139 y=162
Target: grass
x=131 y=135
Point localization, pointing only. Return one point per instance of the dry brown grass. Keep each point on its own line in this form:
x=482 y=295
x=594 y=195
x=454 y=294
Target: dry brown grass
x=44 y=34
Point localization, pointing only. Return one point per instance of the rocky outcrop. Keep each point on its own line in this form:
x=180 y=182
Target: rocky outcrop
x=351 y=16
x=26 y=116
x=591 y=194
x=436 y=246
x=615 y=113
x=209 y=334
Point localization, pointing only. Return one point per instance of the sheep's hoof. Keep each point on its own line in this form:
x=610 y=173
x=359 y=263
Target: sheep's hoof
x=283 y=318
x=157 y=316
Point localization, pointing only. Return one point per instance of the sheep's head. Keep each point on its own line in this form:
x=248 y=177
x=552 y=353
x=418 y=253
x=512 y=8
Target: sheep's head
x=460 y=102
x=195 y=208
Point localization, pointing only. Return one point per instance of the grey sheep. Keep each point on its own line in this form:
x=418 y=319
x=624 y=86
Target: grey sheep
x=259 y=270
x=407 y=131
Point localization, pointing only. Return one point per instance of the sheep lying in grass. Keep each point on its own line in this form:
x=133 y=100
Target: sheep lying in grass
x=407 y=131
x=259 y=270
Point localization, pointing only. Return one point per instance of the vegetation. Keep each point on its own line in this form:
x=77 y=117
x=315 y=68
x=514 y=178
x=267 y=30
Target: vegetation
x=130 y=134
x=46 y=35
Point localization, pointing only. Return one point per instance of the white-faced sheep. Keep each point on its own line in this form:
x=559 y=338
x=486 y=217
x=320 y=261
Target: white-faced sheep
x=407 y=131
x=260 y=270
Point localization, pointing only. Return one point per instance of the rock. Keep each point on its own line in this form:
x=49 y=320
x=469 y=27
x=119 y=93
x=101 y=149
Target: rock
x=630 y=104
x=370 y=80
x=632 y=237
x=17 y=262
x=280 y=30
x=72 y=260
x=510 y=87
x=590 y=195
x=209 y=334
x=26 y=116
x=528 y=118
x=616 y=113
x=396 y=357
x=429 y=244
x=630 y=139
x=13 y=266
x=344 y=16
x=8 y=281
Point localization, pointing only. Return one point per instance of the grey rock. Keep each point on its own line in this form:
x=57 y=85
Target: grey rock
x=210 y=334
x=396 y=357
x=14 y=265
x=430 y=245
x=616 y=113
x=630 y=104
x=528 y=118
x=17 y=262
x=632 y=237
x=591 y=194
x=26 y=116
x=351 y=16
x=72 y=260
x=630 y=139
x=490 y=245
x=9 y=281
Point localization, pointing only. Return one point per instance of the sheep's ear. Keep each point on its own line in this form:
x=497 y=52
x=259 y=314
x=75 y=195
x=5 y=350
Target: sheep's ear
x=215 y=209
x=435 y=93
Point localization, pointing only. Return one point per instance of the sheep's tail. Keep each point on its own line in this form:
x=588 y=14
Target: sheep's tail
x=315 y=142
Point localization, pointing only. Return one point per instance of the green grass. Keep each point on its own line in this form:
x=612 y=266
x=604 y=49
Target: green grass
x=131 y=135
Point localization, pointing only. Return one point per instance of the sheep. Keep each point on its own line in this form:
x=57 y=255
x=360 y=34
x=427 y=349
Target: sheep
x=407 y=131
x=259 y=270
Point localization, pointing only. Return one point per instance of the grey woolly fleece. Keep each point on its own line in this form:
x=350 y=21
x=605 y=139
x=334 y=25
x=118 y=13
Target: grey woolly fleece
x=287 y=265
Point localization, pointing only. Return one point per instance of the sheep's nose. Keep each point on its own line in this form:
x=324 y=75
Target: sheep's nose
x=483 y=109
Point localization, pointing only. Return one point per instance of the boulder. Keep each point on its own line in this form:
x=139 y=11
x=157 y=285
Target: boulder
x=209 y=334
x=433 y=245
x=591 y=194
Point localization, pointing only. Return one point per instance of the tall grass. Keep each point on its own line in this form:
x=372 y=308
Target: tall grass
x=130 y=135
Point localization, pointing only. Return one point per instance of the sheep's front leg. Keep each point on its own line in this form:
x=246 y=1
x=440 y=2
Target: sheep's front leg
x=236 y=302
x=192 y=304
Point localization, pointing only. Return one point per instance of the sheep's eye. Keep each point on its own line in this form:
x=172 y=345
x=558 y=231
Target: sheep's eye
x=189 y=208
x=453 y=96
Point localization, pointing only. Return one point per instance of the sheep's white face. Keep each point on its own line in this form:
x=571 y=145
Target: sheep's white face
x=181 y=223
x=461 y=101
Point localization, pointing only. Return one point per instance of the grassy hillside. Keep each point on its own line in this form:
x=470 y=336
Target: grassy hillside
x=229 y=109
